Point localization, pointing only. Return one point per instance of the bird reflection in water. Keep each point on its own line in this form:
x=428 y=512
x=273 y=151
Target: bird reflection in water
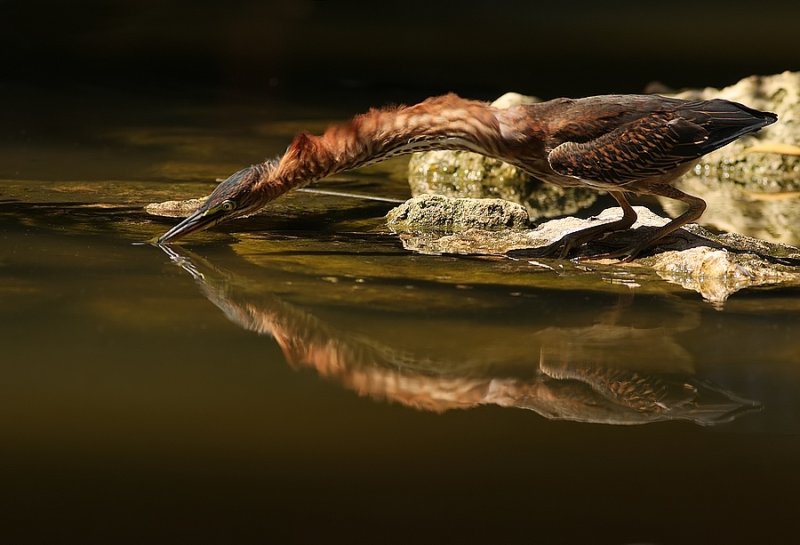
x=573 y=375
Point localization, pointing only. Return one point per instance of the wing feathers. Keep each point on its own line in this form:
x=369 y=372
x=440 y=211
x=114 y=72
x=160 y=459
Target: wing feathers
x=657 y=142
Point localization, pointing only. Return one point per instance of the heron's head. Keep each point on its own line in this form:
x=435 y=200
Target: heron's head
x=232 y=198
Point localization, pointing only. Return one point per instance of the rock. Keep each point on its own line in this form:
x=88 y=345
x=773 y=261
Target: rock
x=768 y=160
x=467 y=174
x=174 y=209
x=717 y=273
x=752 y=185
x=772 y=216
x=514 y=99
x=438 y=214
x=713 y=265
x=471 y=237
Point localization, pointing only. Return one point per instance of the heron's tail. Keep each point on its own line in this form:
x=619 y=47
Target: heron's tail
x=726 y=121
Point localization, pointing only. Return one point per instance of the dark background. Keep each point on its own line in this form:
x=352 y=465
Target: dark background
x=392 y=50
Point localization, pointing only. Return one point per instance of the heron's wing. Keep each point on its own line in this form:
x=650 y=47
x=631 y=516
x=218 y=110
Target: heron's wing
x=658 y=142
x=644 y=148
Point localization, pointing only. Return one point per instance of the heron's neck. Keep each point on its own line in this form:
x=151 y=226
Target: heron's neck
x=446 y=122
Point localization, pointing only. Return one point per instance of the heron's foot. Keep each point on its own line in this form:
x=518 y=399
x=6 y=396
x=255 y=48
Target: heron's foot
x=549 y=251
x=624 y=255
x=560 y=249
x=629 y=253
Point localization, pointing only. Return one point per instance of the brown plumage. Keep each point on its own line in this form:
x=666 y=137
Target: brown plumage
x=624 y=144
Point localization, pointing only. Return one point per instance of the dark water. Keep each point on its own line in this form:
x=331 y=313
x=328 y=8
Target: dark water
x=302 y=378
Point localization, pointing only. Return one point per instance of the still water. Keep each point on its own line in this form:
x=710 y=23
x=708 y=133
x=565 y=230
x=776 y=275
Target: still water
x=300 y=377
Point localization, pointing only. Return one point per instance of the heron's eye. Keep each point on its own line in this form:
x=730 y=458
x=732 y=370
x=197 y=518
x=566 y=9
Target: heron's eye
x=228 y=205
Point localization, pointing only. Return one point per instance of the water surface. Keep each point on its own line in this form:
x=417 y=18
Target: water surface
x=300 y=377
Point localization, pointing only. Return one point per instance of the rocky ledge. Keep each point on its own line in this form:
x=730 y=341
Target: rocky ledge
x=713 y=265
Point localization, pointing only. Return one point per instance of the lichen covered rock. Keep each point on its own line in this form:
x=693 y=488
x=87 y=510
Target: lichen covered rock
x=438 y=214
x=174 y=209
x=768 y=160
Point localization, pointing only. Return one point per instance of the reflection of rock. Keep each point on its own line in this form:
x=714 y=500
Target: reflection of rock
x=713 y=265
x=563 y=380
x=467 y=174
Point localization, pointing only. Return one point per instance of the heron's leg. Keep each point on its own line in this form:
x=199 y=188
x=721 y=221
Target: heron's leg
x=570 y=241
x=696 y=208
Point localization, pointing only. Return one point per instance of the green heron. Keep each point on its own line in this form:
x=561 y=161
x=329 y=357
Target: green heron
x=623 y=144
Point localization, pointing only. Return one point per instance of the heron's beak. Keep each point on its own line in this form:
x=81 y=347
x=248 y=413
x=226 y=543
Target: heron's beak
x=202 y=219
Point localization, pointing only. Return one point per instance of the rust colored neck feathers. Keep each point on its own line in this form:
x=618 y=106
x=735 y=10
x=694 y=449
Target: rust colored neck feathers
x=446 y=122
